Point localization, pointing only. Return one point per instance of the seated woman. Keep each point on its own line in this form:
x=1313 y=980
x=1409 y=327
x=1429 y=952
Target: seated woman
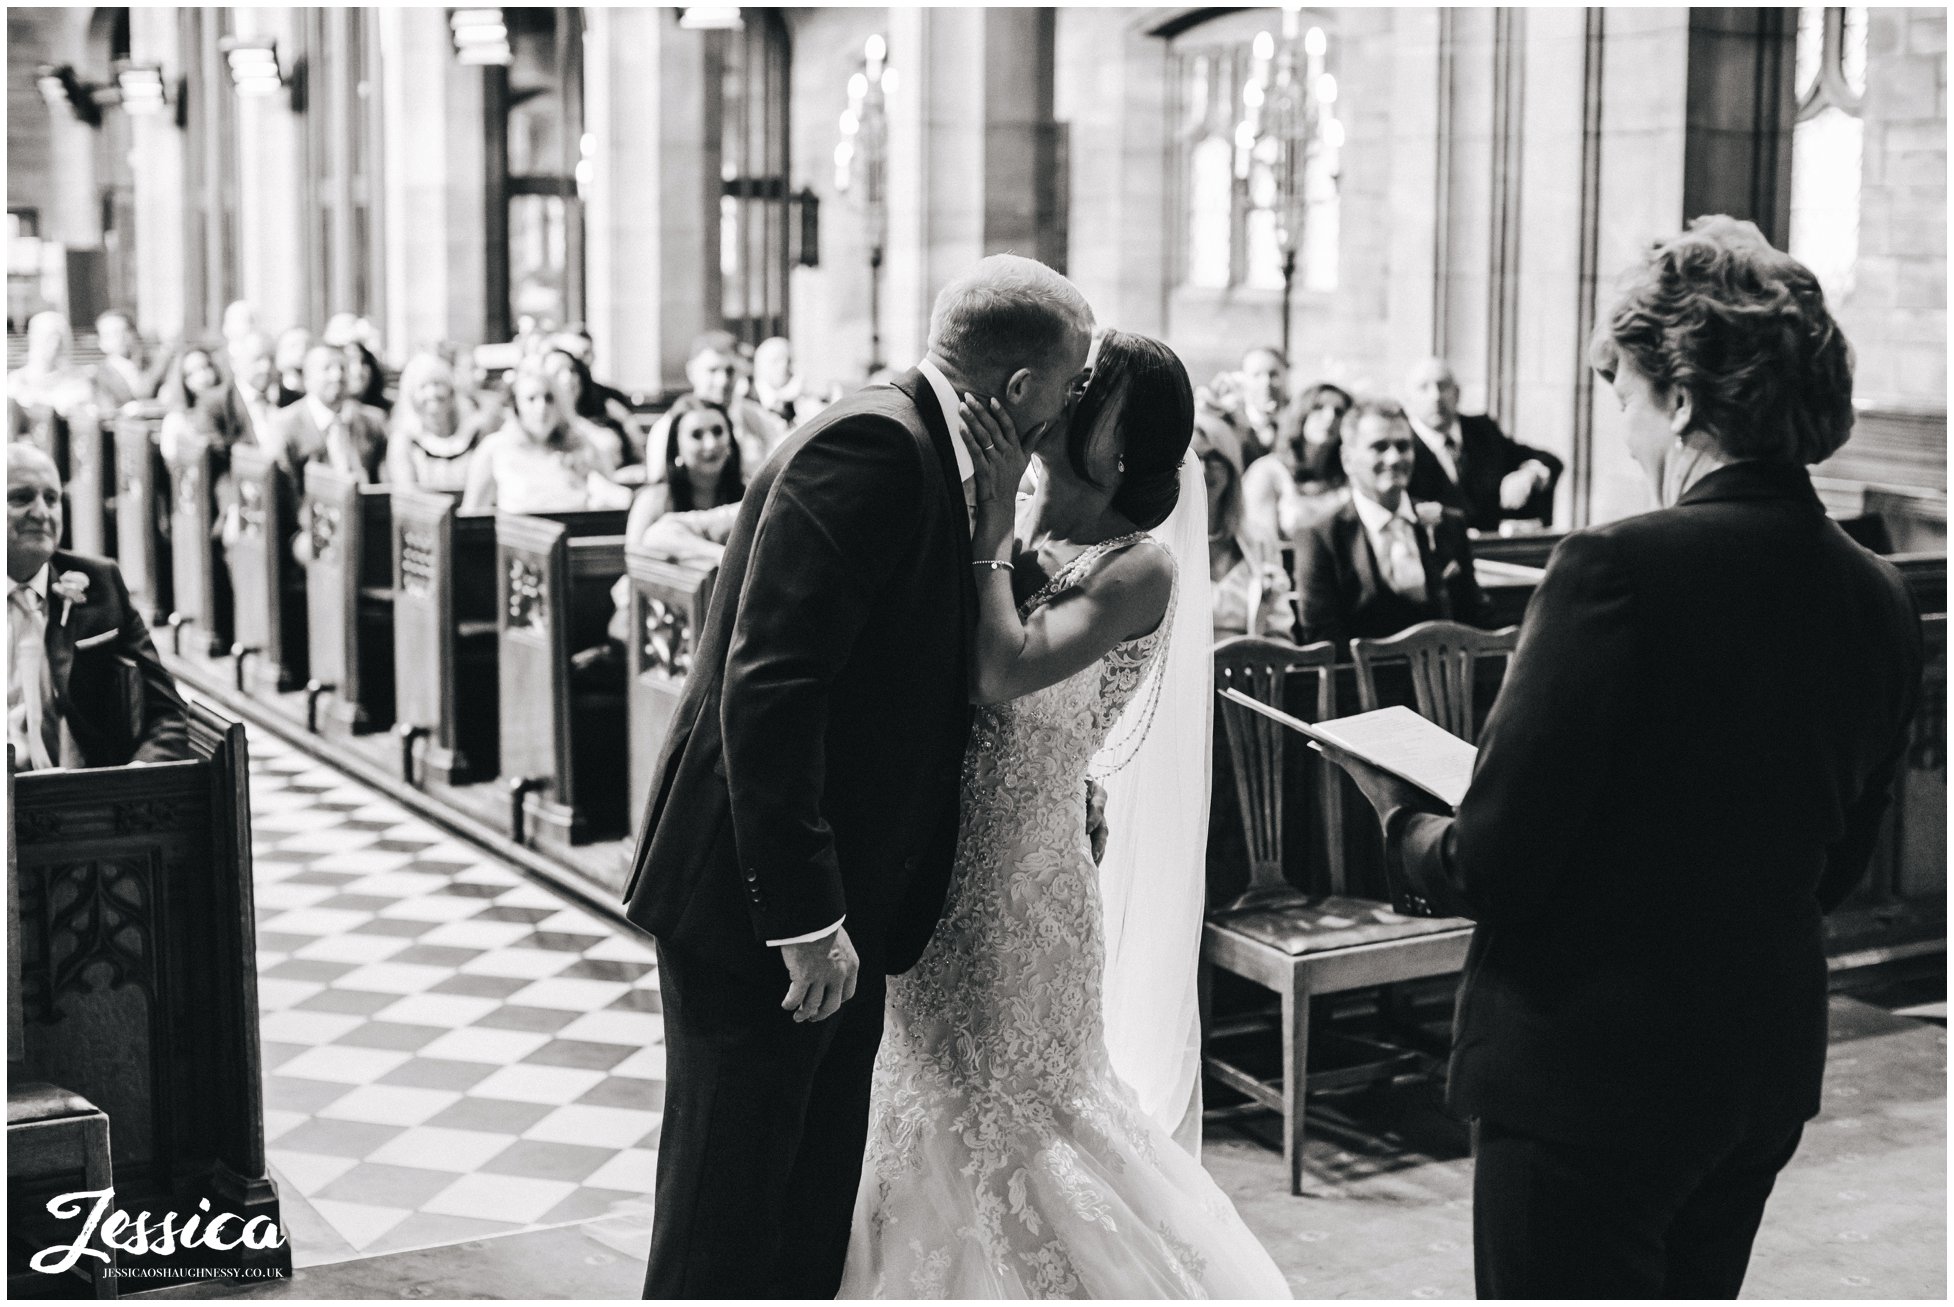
x=366 y=380
x=584 y=401
x=195 y=417
x=49 y=378
x=434 y=429
x=537 y=462
x=1252 y=593
x=1300 y=481
x=702 y=472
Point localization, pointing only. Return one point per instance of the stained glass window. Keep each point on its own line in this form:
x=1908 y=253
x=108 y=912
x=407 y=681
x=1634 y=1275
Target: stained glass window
x=1828 y=144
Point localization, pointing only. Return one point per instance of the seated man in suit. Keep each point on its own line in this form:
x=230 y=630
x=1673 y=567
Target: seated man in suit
x=84 y=685
x=1384 y=561
x=328 y=425
x=253 y=399
x=713 y=372
x=121 y=376
x=1468 y=463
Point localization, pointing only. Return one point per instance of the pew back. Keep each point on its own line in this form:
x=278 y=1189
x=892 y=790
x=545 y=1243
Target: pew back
x=91 y=484
x=270 y=617
x=349 y=595
x=141 y=549
x=199 y=598
x=445 y=689
x=138 y=976
x=666 y=610
x=555 y=575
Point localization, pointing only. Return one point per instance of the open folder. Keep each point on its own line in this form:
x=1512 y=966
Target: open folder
x=1395 y=739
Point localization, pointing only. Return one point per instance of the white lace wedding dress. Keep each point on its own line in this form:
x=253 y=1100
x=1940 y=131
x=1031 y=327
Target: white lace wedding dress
x=1005 y=1159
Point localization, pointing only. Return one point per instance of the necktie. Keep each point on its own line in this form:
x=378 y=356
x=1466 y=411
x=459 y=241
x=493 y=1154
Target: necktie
x=970 y=502
x=1403 y=566
x=29 y=690
x=1453 y=450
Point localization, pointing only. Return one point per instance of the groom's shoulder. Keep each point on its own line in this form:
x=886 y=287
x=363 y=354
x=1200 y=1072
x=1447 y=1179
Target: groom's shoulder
x=875 y=413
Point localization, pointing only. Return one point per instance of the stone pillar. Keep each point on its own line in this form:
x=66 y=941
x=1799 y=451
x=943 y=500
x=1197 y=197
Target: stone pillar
x=1737 y=155
x=433 y=184
x=272 y=230
x=648 y=252
x=971 y=118
x=1111 y=98
x=157 y=160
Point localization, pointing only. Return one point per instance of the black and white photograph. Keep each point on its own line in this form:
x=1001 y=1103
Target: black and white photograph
x=954 y=652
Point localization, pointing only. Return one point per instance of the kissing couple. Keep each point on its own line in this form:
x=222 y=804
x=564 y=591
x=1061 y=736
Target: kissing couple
x=868 y=861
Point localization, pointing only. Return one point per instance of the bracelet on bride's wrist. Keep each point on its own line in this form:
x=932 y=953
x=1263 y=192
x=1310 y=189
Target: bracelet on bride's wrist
x=994 y=564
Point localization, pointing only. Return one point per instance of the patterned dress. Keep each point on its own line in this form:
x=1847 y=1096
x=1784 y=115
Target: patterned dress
x=1005 y=1159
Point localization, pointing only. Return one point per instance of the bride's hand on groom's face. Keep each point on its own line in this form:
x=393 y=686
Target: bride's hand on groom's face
x=998 y=464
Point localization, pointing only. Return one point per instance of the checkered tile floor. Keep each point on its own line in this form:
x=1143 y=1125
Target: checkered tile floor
x=450 y=1051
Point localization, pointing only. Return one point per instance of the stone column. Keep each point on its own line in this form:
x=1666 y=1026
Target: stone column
x=158 y=164
x=648 y=252
x=272 y=230
x=433 y=184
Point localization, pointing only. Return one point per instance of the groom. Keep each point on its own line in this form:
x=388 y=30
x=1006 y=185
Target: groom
x=803 y=817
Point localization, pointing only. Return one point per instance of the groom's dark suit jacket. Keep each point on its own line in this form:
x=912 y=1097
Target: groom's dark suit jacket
x=1688 y=764
x=814 y=761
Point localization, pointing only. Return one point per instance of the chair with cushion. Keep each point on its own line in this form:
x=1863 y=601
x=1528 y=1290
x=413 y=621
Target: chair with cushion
x=1447 y=661
x=1299 y=943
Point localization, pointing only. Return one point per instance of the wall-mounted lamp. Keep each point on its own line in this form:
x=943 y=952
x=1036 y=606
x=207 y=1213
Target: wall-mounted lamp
x=711 y=18
x=142 y=88
x=481 y=38
x=254 y=65
x=62 y=89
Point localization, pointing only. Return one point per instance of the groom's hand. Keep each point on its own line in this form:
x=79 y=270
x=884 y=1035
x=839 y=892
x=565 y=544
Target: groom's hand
x=822 y=975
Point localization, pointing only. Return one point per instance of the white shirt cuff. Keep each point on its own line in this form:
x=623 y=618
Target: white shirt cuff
x=808 y=939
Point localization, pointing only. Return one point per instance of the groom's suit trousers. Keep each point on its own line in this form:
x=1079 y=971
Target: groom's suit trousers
x=765 y=1124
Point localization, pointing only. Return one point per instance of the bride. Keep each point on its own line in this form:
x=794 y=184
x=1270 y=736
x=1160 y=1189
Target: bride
x=1006 y=1159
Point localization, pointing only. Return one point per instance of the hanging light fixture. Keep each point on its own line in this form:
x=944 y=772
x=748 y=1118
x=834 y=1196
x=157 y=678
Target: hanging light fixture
x=711 y=18
x=142 y=88
x=254 y=67
x=481 y=38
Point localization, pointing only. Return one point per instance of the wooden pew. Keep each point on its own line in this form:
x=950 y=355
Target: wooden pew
x=138 y=969
x=445 y=638
x=91 y=484
x=47 y=431
x=200 y=586
x=267 y=585
x=141 y=510
x=666 y=609
x=563 y=743
x=349 y=600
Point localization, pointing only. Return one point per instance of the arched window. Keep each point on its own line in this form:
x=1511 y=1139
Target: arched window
x=749 y=119
x=1828 y=144
x=1243 y=83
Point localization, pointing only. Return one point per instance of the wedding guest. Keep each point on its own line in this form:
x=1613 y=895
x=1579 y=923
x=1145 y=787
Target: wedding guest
x=366 y=379
x=240 y=320
x=587 y=411
x=49 y=377
x=253 y=398
x=434 y=430
x=537 y=462
x=195 y=412
x=1301 y=480
x=577 y=340
x=1252 y=593
x=1383 y=561
x=293 y=345
x=711 y=372
x=1264 y=391
x=1466 y=462
x=329 y=425
x=122 y=377
x=84 y=685
x=1690 y=763
x=776 y=386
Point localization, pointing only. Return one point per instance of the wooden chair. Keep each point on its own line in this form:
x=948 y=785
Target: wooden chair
x=1300 y=943
x=1444 y=659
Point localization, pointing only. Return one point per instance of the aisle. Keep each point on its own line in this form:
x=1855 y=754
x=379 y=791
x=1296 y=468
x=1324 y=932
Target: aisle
x=450 y=1051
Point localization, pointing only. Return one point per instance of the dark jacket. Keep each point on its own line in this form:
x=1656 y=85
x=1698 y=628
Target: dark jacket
x=295 y=439
x=1686 y=767
x=114 y=696
x=813 y=764
x=1486 y=456
x=1341 y=588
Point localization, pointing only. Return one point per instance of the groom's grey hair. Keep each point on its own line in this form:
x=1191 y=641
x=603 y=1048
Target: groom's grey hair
x=1006 y=313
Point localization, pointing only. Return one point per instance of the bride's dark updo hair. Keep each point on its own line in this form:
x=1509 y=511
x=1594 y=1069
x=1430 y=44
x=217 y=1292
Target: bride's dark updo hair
x=1143 y=384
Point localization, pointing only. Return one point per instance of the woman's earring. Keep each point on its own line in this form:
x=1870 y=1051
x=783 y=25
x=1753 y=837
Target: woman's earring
x=1122 y=463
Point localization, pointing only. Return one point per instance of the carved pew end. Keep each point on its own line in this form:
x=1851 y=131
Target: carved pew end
x=519 y=788
x=240 y=654
x=408 y=733
x=313 y=689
